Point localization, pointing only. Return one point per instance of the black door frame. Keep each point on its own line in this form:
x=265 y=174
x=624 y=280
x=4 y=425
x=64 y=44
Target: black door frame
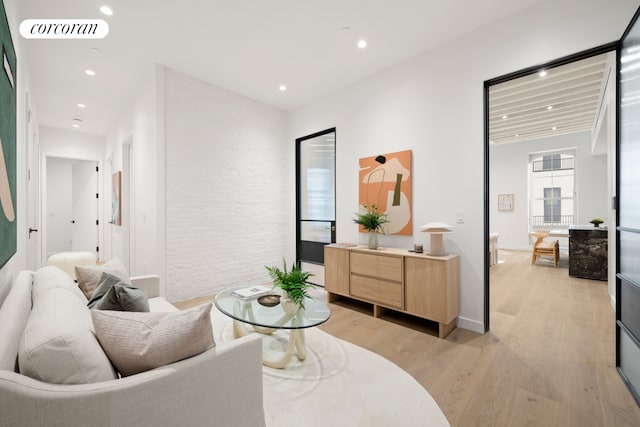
x=609 y=47
x=299 y=243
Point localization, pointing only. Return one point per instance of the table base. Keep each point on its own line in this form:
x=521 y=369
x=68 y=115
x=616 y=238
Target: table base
x=297 y=344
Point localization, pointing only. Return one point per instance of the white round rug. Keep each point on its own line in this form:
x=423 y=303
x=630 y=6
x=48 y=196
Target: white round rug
x=338 y=384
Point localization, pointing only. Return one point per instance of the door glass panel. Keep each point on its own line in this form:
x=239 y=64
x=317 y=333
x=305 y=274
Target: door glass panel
x=315 y=231
x=628 y=255
x=316 y=184
x=317 y=172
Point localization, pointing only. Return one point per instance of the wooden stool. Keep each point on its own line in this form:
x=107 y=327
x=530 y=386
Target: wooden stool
x=546 y=248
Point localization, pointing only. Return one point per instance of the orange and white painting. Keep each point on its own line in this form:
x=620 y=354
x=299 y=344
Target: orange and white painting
x=385 y=181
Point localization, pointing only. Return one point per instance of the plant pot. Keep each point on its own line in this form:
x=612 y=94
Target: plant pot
x=289 y=307
x=373 y=240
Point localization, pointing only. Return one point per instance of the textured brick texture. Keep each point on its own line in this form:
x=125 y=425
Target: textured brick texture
x=225 y=188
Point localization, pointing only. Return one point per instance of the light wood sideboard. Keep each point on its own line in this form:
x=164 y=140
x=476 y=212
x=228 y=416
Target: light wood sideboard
x=417 y=284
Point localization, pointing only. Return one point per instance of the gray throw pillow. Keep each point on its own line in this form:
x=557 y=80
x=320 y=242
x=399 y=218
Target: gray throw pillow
x=123 y=298
x=113 y=294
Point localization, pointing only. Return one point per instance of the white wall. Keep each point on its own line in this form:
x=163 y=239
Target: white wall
x=228 y=197
x=509 y=172
x=433 y=104
x=71 y=144
x=141 y=125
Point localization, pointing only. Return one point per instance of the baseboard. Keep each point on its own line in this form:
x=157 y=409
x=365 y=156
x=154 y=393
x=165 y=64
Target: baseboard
x=470 y=324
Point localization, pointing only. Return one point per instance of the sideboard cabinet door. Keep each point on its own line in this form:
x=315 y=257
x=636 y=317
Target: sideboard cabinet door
x=336 y=270
x=431 y=289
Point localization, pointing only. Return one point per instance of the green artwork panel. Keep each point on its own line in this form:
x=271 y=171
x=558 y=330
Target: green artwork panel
x=8 y=226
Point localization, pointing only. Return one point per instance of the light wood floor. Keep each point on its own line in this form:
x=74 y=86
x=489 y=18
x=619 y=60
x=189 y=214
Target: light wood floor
x=549 y=359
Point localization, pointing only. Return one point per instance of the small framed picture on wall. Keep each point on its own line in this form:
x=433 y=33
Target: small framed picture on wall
x=505 y=202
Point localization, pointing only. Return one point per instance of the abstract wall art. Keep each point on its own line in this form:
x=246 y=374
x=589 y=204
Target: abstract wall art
x=116 y=198
x=8 y=226
x=385 y=181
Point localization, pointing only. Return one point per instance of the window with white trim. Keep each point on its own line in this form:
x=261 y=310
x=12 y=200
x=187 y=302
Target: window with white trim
x=551 y=191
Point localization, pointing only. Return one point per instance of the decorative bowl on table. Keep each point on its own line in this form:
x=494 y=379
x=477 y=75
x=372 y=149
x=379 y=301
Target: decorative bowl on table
x=270 y=300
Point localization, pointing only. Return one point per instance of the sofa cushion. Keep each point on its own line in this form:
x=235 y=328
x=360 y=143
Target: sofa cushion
x=53 y=277
x=89 y=277
x=113 y=294
x=14 y=315
x=58 y=344
x=137 y=342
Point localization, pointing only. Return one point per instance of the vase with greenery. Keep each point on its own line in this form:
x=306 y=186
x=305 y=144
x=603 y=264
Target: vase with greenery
x=372 y=221
x=596 y=222
x=293 y=282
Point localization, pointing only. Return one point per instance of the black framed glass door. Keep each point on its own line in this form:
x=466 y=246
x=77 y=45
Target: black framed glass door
x=315 y=196
x=628 y=212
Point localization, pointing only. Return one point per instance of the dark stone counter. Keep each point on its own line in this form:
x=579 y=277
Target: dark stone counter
x=588 y=253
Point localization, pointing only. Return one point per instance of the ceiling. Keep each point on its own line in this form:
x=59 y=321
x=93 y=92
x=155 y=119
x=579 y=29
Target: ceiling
x=245 y=46
x=565 y=100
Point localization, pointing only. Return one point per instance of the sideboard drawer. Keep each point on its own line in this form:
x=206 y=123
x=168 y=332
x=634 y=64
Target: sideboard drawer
x=382 y=267
x=379 y=291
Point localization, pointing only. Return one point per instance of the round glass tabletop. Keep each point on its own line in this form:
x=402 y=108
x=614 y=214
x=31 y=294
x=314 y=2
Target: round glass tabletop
x=252 y=312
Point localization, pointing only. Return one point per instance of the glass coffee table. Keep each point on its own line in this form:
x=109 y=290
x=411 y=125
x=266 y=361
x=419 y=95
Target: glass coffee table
x=267 y=320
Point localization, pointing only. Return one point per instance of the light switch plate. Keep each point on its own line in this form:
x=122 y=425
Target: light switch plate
x=459 y=217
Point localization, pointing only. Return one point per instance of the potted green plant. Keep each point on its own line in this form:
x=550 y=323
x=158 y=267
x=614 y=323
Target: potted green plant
x=292 y=282
x=596 y=222
x=372 y=221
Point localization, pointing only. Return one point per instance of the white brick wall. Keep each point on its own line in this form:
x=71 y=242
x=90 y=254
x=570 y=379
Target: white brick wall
x=226 y=184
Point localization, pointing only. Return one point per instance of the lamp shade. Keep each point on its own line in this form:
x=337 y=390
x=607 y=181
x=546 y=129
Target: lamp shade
x=437 y=229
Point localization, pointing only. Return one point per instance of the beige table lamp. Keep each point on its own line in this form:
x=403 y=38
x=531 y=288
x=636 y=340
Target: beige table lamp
x=437 y=229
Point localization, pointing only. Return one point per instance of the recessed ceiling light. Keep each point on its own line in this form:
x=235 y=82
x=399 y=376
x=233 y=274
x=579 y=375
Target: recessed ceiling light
x=554 y=128
x=90 y=72
x=75 y=125
x=81 y=105
x=542 y=73
x=282 y=88
x=362 y=44
x=505 y=117
x=550 y=107
x=106 y=10
x=517 y=134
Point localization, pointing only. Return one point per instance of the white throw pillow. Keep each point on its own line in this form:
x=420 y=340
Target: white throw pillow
x=136 y=342
x=58 y=344
x=89 y=277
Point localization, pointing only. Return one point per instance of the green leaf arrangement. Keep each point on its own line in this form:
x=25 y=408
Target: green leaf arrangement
x=370 y=219
x=293 y=282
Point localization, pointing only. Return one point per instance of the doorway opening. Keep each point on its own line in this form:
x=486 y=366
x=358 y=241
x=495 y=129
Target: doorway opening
x=71 y=206
x=522 y=110
x=315 y=200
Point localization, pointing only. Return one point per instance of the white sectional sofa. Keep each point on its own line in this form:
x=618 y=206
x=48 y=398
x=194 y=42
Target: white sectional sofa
x=219 y=387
